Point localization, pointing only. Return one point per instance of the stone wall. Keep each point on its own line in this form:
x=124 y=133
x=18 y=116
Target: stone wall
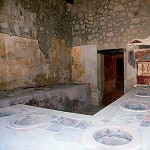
x=35 y=43
x=110 y=23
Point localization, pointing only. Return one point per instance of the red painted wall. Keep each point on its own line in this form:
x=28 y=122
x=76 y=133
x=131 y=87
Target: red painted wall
x=109 y=72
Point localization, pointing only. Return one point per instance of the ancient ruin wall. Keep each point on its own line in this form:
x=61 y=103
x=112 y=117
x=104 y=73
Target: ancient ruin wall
x=110 y=23
x=35 y=41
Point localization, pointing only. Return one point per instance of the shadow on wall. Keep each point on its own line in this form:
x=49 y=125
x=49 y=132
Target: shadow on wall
x=56 y=103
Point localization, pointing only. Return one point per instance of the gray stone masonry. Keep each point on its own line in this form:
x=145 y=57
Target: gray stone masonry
x=110 y=23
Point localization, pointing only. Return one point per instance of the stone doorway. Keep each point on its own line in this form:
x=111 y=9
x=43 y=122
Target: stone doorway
x=111 y=72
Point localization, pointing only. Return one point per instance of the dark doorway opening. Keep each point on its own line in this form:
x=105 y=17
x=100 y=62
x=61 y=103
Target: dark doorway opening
x=119 y=73
x=113 y=75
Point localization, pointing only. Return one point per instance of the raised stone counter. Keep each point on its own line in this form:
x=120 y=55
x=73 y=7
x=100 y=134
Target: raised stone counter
x=60 y=97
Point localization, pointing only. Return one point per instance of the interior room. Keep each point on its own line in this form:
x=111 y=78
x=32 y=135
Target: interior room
x=74 y=75
x=113 y=74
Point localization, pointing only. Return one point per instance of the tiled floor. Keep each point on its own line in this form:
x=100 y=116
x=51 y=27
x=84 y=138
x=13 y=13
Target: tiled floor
x=108 y=98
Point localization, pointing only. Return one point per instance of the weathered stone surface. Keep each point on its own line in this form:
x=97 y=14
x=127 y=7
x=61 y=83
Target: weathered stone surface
x=124 y=20
x=41 y=20
x=35 y=43
x=78 y=70
x=23 y=64
x=60 y=97
x=4 y=25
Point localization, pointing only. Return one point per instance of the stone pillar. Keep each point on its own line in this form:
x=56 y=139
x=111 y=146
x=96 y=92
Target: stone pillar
x=84 y=68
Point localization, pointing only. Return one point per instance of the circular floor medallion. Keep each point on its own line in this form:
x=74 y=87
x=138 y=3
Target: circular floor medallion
x=133 y=106
x=29 y=121
x=143 y=91
x=142 y=94
x=112 y=137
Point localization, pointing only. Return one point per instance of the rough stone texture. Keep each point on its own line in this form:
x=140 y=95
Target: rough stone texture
x=110 y=23
x=37 y=19
x=60 y=97
x=23 y=64
x=35 y=43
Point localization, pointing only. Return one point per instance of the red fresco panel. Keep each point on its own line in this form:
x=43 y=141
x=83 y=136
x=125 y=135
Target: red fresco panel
x=143 y=72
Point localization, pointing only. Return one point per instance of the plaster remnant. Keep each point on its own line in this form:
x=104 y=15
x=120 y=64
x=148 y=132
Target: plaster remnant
x=42 y=20
x=26 y=30
x=16 y=29
x=4 y=25
x=131 y=58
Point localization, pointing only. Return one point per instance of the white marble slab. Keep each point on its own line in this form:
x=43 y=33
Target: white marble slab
x=65 y=131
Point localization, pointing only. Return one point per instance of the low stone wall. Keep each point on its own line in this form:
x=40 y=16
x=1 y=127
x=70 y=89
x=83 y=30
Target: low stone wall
x=64 y=97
